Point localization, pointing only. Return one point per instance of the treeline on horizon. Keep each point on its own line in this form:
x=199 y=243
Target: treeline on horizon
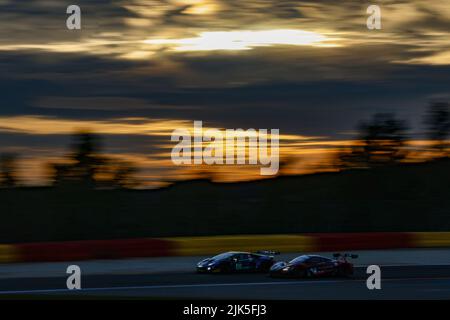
x=406 y=198
x=381 y=141
x=389 y=197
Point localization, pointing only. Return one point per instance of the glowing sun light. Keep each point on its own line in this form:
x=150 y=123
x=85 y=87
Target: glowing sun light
x=241 y=40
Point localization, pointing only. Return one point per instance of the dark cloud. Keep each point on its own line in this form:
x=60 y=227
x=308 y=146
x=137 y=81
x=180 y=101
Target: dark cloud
x=107 y=72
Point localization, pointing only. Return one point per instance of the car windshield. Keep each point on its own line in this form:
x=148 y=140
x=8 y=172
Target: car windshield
x=223 y=256
x=299 y=259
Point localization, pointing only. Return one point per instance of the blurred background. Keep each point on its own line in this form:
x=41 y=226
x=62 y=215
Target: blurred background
x=86 y=117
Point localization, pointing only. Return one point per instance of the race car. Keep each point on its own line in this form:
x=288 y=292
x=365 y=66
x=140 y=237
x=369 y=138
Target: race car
x=314 y=266
x=229 y=262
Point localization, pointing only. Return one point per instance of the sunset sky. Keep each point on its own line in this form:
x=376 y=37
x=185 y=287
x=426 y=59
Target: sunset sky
x=139 y=69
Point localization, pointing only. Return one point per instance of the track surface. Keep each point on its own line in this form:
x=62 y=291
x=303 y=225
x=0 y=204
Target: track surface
x=398 y=282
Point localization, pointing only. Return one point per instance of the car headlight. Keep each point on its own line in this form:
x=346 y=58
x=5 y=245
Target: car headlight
x=286 y=269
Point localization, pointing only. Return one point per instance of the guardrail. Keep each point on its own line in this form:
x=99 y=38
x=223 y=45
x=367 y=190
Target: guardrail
x=192 y=246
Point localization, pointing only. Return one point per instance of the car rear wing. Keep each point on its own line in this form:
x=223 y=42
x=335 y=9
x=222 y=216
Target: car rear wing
x=268 y=252
x=345 y=255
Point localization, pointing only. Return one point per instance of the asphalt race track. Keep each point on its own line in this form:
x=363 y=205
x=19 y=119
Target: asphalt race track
x=398 y=282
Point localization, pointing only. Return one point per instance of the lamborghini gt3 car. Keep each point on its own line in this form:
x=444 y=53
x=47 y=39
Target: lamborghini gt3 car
x=314 y=266
x=228 y=262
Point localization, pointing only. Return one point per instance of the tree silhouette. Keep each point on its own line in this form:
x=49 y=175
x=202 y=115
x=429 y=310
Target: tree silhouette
x=88 y=168
x=8 y=170
x=381 y=142
x=437 y=120
x=85 y=162
x=123 y=175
